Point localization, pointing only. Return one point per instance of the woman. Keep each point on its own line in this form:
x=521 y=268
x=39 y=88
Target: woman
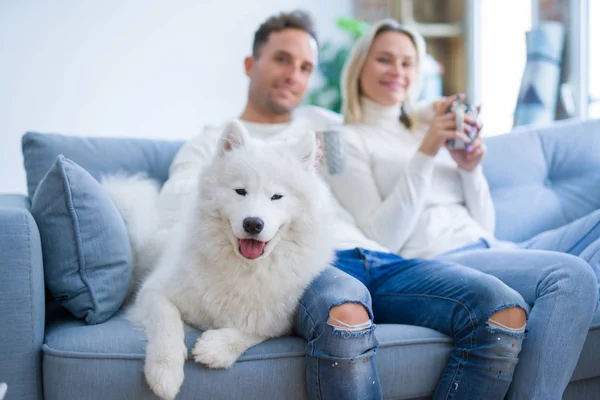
x=413 y=196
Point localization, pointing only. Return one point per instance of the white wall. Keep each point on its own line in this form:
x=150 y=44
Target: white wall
x=138 y=68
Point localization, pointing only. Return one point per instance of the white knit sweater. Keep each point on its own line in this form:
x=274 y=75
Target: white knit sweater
x=411 y=203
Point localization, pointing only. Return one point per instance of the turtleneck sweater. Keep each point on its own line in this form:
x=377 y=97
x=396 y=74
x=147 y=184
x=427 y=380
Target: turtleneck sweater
x=414 y=204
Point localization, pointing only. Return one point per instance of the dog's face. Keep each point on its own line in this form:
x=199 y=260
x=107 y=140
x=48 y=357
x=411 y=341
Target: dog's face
x=257 y=188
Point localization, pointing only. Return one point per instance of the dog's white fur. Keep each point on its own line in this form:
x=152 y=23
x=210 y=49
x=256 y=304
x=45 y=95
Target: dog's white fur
x=136 y=197
x=201 y=277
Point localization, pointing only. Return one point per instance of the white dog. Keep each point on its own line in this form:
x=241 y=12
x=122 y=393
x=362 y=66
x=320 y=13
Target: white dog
x=255 y=235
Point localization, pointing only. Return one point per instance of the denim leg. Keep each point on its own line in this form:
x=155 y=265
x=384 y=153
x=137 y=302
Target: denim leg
x=562 y=292
x=580 y=238
x=457 y=301
x=339 y=364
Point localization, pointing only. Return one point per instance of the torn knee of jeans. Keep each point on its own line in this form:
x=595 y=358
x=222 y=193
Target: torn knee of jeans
x=349 y=330
x=336 y=323
x=494 y=326
x=351 y=325
x=352 y=302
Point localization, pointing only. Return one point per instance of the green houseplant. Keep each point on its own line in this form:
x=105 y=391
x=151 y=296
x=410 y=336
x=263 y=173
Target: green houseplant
x=331 y=62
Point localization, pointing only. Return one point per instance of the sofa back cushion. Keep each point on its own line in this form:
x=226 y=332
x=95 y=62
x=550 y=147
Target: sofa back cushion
x=540 y=177
x=543 y=177
x=98 y=156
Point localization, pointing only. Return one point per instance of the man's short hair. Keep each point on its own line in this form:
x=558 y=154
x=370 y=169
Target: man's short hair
x=297 y=19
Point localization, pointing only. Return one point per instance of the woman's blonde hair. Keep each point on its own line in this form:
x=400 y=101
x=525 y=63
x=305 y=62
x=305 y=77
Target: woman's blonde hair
x=350 y=84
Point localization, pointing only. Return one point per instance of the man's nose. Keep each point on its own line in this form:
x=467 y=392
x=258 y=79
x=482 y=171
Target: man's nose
x=293 y=73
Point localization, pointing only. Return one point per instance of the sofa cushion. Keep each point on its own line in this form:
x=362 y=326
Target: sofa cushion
x=98 y=156
x=543 y=177
x=107 y=360
x=87 y=257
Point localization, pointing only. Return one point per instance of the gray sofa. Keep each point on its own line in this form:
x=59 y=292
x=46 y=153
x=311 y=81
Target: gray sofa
x=540 y=178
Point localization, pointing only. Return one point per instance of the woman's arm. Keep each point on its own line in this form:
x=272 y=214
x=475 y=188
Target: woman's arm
x=389 y=221
x=478 y=198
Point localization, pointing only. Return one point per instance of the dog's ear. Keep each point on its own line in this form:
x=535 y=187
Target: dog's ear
x=234 y=137
x=306 y=150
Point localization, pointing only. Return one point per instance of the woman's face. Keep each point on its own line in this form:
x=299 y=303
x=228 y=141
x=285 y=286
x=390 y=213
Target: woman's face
x=390 y=68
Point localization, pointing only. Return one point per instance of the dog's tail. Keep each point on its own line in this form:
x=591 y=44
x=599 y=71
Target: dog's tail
x=136 y=198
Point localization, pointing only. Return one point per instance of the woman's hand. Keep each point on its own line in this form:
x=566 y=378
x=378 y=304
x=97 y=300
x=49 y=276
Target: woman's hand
x=470 y=157
x=443 y=127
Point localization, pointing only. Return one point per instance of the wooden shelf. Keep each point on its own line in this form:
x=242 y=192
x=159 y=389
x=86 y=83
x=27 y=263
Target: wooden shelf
x=442 y=23
x=438 y=30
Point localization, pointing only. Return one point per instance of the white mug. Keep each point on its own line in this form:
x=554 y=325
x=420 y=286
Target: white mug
x=460 y=110
x=335 y=150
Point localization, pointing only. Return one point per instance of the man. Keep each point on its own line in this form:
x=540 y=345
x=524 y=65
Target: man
x=334 y=315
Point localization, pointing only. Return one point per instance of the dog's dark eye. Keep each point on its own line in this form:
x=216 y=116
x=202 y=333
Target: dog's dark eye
x=276 y=197
x=241 y=192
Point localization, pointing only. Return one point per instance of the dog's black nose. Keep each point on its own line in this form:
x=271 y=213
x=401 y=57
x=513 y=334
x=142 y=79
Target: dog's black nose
x=253 y=225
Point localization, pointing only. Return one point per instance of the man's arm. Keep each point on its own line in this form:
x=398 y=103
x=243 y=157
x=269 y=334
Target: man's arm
x=184 y=173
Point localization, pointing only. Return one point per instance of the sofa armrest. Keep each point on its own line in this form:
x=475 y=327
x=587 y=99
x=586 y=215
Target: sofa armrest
x=22 y=299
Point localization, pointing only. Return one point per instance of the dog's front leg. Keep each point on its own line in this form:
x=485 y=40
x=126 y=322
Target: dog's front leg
x=165 y=351
x=220 y=348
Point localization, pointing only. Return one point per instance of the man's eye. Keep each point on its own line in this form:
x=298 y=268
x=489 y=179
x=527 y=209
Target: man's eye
x=276 y=197
x=241 y=192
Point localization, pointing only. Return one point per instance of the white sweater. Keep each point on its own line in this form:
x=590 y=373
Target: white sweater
x=196 y=154
x=411 y=203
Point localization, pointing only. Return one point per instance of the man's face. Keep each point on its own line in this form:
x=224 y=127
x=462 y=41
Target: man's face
x=279 y=76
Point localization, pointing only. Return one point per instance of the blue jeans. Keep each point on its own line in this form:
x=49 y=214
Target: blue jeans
x=337 y=362
x=562 y=290
x=580 y=238
x=454 y=300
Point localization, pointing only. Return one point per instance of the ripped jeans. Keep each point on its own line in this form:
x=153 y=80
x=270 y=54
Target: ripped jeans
x=562 y=291
x=339 y=361
x=455 y=300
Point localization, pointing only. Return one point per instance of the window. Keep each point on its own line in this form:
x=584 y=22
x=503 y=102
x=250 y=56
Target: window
x=501 y=60
x=499 y=56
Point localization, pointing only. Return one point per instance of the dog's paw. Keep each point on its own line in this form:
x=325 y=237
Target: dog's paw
x=164 y=373
x=215 y=350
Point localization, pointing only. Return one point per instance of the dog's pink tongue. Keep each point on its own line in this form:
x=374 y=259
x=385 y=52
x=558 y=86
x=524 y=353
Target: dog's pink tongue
x=251 y=248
